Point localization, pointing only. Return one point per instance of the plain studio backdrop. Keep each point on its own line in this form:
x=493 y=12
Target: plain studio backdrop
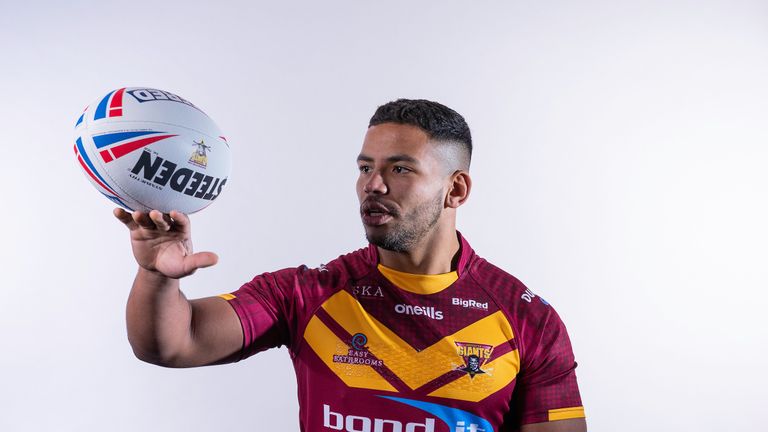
x=619 y=171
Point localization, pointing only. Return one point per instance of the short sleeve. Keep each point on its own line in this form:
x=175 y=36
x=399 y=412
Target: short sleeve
x=264 y=306
x=546 y=388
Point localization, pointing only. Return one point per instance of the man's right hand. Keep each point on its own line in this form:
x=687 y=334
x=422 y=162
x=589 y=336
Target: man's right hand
x=159 y=317
x=162 y=243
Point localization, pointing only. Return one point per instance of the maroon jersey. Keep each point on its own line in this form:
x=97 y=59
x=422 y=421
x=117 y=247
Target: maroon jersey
x=483 y=354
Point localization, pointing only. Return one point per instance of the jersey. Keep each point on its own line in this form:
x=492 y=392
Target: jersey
x=482 y=354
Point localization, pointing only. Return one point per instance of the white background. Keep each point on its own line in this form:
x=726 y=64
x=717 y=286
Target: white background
x=620 y=172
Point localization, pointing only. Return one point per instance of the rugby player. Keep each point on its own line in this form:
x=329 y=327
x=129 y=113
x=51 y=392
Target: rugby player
x=413 y=333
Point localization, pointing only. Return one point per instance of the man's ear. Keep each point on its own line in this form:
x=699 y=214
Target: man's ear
x=461 y=184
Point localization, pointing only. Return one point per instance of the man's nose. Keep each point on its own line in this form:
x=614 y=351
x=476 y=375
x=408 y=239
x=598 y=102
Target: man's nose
x=375 y=184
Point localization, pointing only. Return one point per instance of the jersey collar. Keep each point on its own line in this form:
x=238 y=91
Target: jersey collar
x=465 y=255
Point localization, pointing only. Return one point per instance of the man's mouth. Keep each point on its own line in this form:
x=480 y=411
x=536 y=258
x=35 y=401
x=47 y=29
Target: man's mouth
x=375 y=213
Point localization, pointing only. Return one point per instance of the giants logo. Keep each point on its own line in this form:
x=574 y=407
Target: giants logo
x=475 y=356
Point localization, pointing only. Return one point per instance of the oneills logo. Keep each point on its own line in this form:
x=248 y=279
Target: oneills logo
x=474 y=356
x=427 y=311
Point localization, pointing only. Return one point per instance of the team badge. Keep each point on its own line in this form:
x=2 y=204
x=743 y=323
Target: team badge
x=200 y=155
x=474 y=356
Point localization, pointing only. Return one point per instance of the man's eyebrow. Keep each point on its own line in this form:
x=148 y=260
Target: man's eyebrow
x=364 y=158
x=391 y=159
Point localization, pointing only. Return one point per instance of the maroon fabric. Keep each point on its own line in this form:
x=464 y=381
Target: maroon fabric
x=275 y=308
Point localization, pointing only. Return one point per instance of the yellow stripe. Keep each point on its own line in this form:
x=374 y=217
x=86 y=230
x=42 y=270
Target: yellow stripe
x=325 y=344
x=227 y=296
x=566 y=413
x=418 y=283
x=418 y=368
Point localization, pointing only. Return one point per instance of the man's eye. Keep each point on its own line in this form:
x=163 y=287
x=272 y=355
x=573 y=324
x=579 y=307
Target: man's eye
x=400 y=170
x=364 y=168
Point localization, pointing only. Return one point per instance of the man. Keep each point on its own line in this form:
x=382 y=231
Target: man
x=414 y=333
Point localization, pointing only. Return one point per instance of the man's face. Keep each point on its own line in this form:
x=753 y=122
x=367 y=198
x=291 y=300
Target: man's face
x=401 y=187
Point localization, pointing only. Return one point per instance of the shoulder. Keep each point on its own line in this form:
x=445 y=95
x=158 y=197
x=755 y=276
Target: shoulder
x=321 y=280
x=538 y=328
x=521 y=304
x=507 y=289
x=350 y=266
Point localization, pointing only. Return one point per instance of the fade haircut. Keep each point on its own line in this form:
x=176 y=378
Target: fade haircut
x=442 y=124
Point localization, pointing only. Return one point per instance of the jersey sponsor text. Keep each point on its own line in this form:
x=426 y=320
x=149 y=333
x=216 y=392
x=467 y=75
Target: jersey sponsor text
x=351 y=423
x=474 y=304
x=427 y=311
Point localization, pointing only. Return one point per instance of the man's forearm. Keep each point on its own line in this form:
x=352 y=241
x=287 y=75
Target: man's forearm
x=158 y=317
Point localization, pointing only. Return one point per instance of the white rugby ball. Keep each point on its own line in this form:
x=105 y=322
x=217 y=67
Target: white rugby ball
x=145 y=149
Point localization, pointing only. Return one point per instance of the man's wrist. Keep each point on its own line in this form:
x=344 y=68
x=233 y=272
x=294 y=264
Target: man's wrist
x=153 y=275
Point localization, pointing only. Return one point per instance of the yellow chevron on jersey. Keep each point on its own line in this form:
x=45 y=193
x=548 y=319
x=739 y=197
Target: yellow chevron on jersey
x=327 y=345
x=414 y=368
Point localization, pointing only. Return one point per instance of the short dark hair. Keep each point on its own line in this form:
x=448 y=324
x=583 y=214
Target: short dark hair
x=437 y=120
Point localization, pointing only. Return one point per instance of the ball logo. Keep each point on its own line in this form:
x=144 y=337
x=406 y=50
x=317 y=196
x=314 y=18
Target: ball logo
x=200 y=155
x=150 y=95
x=158 y=172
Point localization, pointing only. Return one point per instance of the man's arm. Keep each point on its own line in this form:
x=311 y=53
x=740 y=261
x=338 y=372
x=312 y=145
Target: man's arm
x=164 y=327
x=570 y=425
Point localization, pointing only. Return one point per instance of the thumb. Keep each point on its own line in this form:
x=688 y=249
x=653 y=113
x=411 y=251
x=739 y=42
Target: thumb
x=199 y=260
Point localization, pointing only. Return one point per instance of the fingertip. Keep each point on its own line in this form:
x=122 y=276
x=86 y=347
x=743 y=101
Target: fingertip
x=121 y=215
x=178 y=216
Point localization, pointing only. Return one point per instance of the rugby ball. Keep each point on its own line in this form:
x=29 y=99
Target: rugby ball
x=145 y=149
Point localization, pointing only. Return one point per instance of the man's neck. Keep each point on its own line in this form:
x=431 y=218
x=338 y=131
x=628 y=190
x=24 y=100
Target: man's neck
x=433 y=255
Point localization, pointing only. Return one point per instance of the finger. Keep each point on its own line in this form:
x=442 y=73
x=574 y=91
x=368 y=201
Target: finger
x=180 y=219
x=199 y=260
x=143 y=220
x=161 y=220
x=125 y=217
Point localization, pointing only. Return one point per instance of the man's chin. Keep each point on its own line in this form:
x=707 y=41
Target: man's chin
x=385 y=239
